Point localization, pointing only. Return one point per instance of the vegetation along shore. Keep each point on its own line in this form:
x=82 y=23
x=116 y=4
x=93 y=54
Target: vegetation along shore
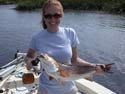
x=113 y=6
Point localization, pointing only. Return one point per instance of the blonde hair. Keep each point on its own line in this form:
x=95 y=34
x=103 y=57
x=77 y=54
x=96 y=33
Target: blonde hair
x=46 y=5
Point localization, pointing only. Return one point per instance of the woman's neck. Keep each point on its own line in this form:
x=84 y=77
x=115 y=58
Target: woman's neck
x=52 y=30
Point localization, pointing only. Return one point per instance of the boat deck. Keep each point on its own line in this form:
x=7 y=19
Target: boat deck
x=13 y=84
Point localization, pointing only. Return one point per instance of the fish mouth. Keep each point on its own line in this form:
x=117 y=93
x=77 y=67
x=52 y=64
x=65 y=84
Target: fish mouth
x=49 y=66
x=42 y=56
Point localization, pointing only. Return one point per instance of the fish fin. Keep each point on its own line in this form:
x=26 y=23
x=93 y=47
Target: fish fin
x=51 y=78
x=64 y=73
x=108 y=67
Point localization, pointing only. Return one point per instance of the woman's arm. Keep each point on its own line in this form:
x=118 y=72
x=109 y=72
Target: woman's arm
x=31 y=54
x=77 y=60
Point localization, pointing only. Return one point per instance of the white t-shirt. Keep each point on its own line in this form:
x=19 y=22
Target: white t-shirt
x=59 y=46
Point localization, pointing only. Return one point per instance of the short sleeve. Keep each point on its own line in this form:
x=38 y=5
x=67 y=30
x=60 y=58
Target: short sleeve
x=73 y=38
x=32 y=44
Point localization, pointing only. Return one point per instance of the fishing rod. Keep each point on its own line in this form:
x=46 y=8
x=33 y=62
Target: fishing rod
x=14 y=62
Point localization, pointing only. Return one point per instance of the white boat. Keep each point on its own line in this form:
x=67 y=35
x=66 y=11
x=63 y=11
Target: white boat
x=12 y=82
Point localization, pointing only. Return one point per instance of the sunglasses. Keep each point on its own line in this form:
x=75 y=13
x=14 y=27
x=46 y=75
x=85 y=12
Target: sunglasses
x=49 y=16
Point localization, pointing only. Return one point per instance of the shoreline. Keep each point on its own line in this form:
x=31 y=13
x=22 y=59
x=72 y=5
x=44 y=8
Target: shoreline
x=107 y=6
x=65 y=10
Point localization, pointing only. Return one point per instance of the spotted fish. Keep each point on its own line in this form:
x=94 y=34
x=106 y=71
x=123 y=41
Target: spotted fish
x=67 y=72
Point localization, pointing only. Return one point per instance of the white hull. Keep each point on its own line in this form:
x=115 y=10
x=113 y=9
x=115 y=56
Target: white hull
x=12 y=83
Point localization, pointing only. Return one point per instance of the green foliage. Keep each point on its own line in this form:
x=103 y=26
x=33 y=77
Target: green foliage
x=117 y=6
x=8 y=1
x=4 y=2
x=29 y=4
x=114 y=6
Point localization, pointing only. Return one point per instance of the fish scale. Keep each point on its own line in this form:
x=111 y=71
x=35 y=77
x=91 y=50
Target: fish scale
x=68 y=72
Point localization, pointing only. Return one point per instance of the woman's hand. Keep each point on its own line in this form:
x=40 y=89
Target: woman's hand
x=29 y=66
x=28 y=63
x=100 y=68
x=31 y=54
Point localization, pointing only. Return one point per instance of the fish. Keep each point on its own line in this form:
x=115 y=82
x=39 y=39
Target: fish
x=67 y=72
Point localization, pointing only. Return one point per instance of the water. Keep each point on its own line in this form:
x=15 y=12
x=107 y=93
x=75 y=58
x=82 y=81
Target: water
x=102 y=38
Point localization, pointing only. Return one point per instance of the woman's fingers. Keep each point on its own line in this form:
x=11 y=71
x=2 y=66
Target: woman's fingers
x=29 y=66
x=100 y=68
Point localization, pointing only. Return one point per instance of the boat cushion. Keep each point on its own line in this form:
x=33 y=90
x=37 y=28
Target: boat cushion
x=28 y=78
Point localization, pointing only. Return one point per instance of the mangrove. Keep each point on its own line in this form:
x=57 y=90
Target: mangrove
x=112 y=6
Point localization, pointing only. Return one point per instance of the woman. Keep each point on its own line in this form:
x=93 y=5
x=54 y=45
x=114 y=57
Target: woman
x=58 y=42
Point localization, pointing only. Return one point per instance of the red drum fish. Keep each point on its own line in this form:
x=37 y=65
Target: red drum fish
x=67 y=72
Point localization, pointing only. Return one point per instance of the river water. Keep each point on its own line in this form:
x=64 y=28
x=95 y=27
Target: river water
x=102 y=38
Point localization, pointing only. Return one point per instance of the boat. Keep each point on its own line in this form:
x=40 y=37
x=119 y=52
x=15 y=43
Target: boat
x=12 y=80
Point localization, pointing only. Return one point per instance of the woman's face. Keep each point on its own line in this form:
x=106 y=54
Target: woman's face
x=52 y=17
